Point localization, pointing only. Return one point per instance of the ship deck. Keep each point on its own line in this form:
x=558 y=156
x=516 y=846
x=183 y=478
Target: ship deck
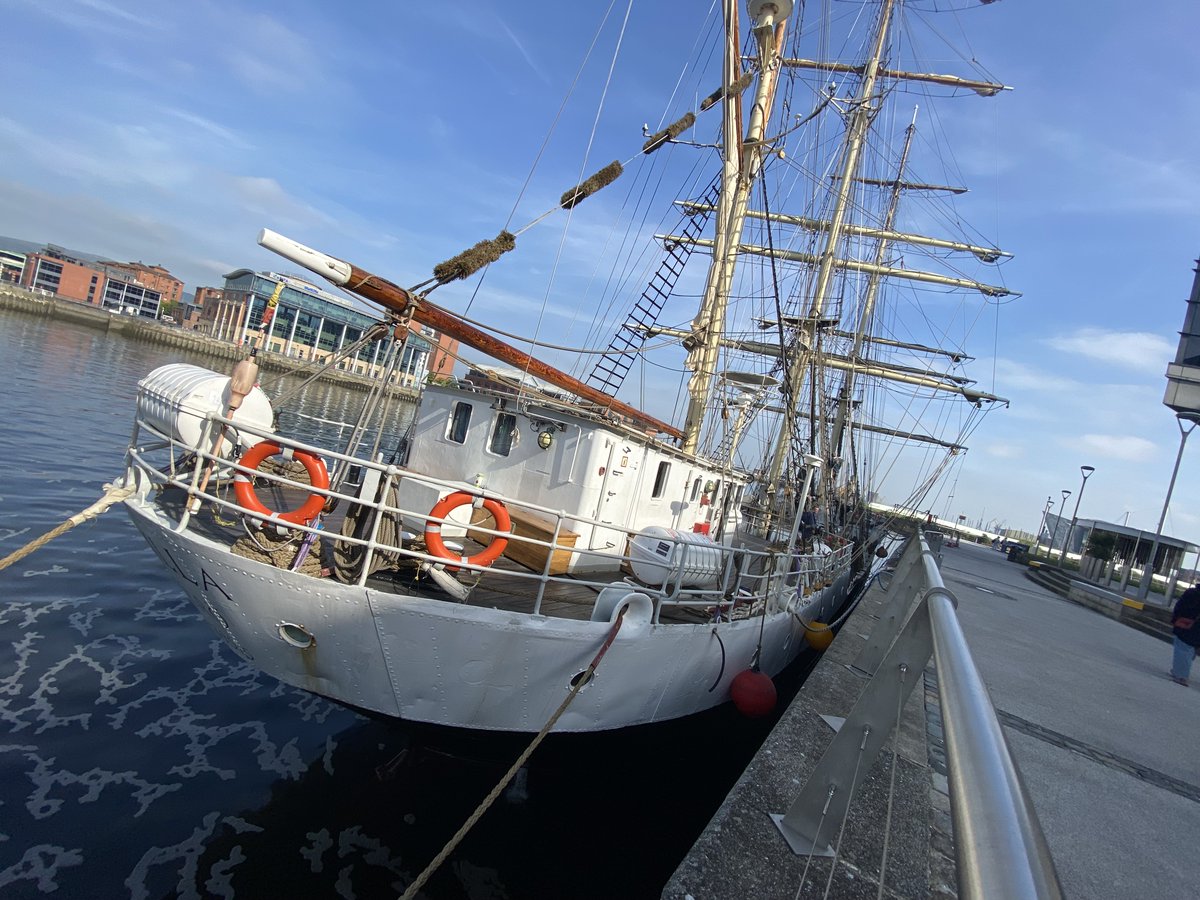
x=505 y=585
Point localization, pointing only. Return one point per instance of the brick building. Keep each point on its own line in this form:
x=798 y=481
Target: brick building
x=54 y=271
x=192 y=311
x=156 y=278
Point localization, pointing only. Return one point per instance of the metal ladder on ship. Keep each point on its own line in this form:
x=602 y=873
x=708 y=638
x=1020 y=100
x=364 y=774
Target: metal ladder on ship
x=610 y=369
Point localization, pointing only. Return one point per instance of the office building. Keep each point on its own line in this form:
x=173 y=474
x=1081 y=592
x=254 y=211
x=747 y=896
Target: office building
x=287 y=315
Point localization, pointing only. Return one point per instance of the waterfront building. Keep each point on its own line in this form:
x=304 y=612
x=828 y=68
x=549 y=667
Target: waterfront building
x=54 y=271
x=1131 y=545
x=131 y=297
x=306 y=322
x=192 y=311
x=156 y=278
x=12 y=264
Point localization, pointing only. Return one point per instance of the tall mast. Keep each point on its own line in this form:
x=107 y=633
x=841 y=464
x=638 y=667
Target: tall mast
x=868 y=306
x=742 y=164
x=860 y=122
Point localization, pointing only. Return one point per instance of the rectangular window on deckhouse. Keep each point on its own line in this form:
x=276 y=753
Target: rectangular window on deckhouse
x=660 y=479
x=502 y=434
x=460 y=418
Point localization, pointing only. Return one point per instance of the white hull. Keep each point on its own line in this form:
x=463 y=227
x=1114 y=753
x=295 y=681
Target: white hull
x=453 y=664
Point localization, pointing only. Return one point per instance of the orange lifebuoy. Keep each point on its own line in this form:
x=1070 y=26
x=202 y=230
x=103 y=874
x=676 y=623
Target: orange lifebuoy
x=243 y=486
x=443 y=508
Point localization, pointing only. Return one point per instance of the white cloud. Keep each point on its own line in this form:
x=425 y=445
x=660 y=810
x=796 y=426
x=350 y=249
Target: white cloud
x=209 y=126
x=1012 y=375
x=1111 y=179
x=1119 y=446
x=1139 y=351
x=92 y=16
x=266 y=197
x=1004 y=451
x=270 y=57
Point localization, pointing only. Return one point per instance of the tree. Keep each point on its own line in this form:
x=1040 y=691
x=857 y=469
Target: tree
x=1101 y=545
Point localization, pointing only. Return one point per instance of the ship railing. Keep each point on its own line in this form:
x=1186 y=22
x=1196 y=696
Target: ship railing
x=1000 y=848
x=747 y=576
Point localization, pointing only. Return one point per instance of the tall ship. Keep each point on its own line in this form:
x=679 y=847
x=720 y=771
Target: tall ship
x=536 y=551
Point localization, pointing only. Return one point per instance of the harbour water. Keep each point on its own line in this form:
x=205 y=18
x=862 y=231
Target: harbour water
x=140 y=757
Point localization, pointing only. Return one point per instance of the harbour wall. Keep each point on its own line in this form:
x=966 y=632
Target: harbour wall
x=742 y=854
x=19 y=300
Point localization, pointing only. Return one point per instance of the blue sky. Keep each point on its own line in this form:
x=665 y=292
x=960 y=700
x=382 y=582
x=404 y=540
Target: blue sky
x=395 y=134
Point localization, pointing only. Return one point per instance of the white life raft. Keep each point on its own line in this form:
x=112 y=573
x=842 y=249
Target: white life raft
x=659 y=554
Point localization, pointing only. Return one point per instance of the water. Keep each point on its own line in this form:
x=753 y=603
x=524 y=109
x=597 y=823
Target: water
x=140 y=757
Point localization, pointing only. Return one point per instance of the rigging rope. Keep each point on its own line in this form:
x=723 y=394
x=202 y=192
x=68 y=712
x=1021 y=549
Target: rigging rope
x=576 y=687
x=112 y=494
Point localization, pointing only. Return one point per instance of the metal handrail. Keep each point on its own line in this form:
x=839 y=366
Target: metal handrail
x=999 y=845
x=1000 y=848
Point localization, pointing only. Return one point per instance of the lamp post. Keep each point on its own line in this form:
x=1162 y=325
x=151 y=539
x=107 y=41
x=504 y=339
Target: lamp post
x=1042 y=525
x=1054 y=533
x=1148 y=571
x=1086 y=471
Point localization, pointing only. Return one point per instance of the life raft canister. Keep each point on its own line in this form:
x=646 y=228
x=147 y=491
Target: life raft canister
x=243 y=485
x=451 y=502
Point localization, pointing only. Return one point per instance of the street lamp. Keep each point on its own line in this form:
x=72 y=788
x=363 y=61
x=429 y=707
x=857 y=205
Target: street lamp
x=1054 y=533
x=1041 y=525
x=1148 y=571
x=1086 y=471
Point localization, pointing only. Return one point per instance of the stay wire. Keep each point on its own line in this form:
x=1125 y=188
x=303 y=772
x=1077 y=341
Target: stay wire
x=849 y=801
x=887 y=822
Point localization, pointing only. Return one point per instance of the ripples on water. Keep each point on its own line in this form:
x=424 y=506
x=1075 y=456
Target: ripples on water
x=140 y=757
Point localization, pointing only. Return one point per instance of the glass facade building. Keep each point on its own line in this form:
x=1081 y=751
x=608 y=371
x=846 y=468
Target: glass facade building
x=308 y=323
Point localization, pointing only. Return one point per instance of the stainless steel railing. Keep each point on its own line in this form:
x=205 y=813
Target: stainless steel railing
x=1001 y=851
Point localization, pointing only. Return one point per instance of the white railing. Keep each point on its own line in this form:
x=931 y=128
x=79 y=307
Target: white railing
x=747 y=576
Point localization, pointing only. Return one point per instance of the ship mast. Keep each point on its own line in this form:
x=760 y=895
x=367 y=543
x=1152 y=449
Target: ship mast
x=868 y=306
x=860 y=122
x=742 y=164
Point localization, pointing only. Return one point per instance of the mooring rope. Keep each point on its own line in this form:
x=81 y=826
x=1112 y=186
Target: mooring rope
x=112 y=494
x=483 y=807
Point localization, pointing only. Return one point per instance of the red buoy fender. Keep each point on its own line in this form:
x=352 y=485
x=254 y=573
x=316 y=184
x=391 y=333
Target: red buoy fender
x=753 y=693
x=451 y=502
x=243 y=485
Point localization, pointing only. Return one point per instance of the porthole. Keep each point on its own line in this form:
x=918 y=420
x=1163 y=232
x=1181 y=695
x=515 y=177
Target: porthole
x=296 y=635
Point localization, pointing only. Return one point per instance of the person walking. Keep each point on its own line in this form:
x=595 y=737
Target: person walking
x=1185 y=625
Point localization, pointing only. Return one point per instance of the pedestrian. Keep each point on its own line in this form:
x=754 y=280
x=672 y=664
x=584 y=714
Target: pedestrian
x=1185 y=625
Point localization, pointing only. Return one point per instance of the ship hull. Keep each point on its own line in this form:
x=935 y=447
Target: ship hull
x=430 y=660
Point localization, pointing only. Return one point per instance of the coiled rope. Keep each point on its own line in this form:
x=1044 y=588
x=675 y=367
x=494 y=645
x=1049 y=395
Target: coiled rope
x=112 y=494
x=483 y=807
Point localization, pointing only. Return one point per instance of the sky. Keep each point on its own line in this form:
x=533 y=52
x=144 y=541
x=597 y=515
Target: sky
x=396 y=134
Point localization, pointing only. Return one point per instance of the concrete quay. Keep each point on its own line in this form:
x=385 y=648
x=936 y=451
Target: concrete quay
x=1108 y=747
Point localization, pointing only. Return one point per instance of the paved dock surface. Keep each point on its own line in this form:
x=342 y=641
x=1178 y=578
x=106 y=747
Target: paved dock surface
x=1108 y=747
